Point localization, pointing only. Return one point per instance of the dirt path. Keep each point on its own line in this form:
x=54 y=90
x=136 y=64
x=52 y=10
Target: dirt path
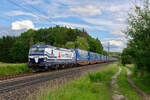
x=139 y=91
x=116 y=95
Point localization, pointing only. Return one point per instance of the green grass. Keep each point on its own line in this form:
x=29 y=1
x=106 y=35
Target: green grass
x=94 y=86
x=125 y=87
x=11 y=69
x=141 y=79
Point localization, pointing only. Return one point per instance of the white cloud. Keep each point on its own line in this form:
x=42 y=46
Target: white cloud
x=99 y=21
x=88 y=10
x=118 y=7
x=114 y=27
x=38 y=18
x=93 y=12
x=117 y=32
x=116 y=44
x=7 y=31
x=73 y=25
x=98 y=14
x=32 y=2
x=24 y=24
x=121 y=19
x=117 y=11
x=17 y=13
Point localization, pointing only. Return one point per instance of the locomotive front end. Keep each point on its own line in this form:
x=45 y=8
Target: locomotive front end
x=37 y=58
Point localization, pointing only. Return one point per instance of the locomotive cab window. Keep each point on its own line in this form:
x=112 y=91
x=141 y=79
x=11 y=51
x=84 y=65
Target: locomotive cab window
x=37 y=50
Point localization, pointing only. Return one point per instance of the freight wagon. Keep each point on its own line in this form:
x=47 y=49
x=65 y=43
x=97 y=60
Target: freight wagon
x=82 y=57
x=93 y=57
x=44 y=57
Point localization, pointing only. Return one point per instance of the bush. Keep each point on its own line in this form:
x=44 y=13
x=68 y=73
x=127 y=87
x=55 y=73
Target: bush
x=11 y=69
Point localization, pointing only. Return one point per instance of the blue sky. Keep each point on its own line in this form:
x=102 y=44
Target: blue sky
x=104 y=19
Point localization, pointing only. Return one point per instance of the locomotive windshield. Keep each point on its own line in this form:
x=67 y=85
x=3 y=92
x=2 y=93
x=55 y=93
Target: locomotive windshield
x=37 y=50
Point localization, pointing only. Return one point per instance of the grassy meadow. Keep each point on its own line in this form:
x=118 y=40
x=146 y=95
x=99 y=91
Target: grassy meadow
x=93 y=86
x=11 y=69
x=141 y=79
x=125 y=88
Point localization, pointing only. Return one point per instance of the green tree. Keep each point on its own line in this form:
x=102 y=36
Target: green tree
x=5 y=45
x=126 y=57
x=105 y=53
x=15 y=49
x=95 y=45
x=19 y=52
x=70 y=44
x=81 y=43
x=138 y=31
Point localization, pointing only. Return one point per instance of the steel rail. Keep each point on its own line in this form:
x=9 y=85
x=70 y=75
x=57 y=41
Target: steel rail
x=27 y=81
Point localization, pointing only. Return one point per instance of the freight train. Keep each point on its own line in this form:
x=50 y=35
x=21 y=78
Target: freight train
x=44 y=57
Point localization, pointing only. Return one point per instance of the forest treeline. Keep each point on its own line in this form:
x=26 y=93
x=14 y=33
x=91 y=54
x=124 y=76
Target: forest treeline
x=15 y=49
x=138 y=32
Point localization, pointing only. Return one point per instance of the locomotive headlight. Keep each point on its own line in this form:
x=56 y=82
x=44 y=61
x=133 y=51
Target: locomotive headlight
x=29 y=59
x=45 y=59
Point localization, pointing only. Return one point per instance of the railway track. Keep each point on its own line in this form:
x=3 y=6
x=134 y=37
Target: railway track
x=7 y=77
x=10 y=85
x=16 y=76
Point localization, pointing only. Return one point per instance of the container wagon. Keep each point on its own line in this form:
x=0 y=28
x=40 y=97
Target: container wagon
x=82 y=57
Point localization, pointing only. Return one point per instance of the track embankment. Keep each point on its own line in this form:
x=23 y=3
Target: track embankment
x=20 y=88
x=6 y=77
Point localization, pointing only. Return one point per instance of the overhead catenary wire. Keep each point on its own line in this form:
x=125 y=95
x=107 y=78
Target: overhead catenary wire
x=40 y=12
x=37 y=9
x=24 y=8
x=5 y=18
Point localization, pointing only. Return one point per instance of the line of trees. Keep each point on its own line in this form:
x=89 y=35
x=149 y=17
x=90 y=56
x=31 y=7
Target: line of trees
x=138 y=32
x=15 y=49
